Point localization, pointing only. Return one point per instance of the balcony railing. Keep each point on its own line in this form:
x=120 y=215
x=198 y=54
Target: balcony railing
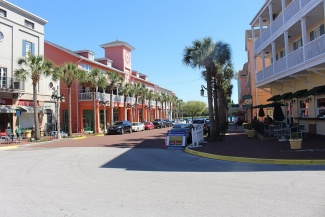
x=277 y=23
x=290 y=11
x=11 y=83
x=296 y=57
x=266 y=34
x=304 y=2
x=315 y=47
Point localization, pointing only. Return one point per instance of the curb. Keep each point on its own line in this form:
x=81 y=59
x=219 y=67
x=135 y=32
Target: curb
x=255 y=160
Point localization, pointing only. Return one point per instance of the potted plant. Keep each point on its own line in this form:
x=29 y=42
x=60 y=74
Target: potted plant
x=295 y=141
x=250 y=131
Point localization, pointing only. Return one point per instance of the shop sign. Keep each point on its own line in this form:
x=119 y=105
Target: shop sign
x=5 y=101
x=25 y=103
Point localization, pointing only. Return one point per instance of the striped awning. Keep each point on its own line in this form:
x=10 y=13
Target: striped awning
x=7 y=109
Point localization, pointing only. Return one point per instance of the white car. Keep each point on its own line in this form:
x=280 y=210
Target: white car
x=137 y=126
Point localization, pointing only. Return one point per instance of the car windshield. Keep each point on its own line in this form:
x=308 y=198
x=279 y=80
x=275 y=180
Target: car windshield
x=135 y=123
x=146 y=122
x=180 y=126
x=118 y=123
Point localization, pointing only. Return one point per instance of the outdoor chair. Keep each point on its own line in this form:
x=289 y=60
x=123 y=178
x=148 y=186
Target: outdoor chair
x=302 y=131
x=267 y=130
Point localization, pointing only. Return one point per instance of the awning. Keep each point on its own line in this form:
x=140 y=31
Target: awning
x=315 y=90
x=284 y=96
x=273 y=98
x=7 y=109
x=270 y=105
x=297 y=94
x=247 y=96
x=30 y=109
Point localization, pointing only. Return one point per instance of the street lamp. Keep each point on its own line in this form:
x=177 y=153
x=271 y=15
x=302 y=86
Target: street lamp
x=104 y=103
x=202 y=90
x=57 y=97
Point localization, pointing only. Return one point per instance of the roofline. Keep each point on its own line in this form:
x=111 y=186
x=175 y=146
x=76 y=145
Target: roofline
x=19 y=10
x=118 y=44
x=81 y=57
x=259 y=12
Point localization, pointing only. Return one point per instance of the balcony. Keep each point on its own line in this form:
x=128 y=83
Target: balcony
x=11 y=84
x=289 y=15
x=314 y=51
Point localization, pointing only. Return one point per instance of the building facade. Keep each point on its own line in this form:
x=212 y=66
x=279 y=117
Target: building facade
x=21 y=32
x=291 y=45
x=117 y=58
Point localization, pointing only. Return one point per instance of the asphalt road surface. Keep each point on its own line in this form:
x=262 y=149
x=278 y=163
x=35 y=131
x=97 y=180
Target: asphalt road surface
x=132 y=175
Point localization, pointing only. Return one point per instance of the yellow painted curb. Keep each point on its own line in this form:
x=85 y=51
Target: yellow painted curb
x=81 y=137
x=255 y=160
x=9 y=147
x=100 y=135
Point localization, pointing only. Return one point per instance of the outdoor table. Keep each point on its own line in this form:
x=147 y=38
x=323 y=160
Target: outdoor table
x=281 y=133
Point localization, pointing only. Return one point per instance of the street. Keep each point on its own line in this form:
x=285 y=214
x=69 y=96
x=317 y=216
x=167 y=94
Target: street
x=132 y=175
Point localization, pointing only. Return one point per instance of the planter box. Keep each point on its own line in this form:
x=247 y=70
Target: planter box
x=295 y=143
x=250 y=133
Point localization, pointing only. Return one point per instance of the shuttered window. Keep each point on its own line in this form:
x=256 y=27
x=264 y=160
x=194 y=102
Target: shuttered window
x=28 y=47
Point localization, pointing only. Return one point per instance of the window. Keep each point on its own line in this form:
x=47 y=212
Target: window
x=3 y=13
x=86 y=67
x=320 y=107
x=316 y=32
x=29 y=24
x=28 y=47
x=297 y=44
x=303 y=108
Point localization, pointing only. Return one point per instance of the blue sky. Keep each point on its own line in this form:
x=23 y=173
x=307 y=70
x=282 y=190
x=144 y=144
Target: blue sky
x=159 y=31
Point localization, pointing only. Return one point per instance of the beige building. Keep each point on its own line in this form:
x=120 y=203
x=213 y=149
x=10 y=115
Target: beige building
x=21 y=33
x=291 y=46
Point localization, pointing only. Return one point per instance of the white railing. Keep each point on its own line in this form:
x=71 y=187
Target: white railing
x=296 y=57
x=257 y=43
x=304 y=3
x=197 y=136
x=280 y=65
x=266 y=34
x=259 y=76
x=290 y=11
x=268 y=72
x=277 y=23
x=315 y=47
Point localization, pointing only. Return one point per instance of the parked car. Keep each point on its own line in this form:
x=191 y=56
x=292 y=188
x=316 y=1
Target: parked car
x=159 y=123
x=184 y=127
x=168 y=123
x=203 y=122
x=137 y=126
x=149 y=126
x=120 y=127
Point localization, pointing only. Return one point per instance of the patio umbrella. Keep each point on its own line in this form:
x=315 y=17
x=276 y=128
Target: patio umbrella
x=261 y=112
x=278 y=113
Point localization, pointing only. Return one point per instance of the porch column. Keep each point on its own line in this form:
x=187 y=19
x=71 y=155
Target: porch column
x=263 y=59
x=273 y=55
x=260 y=20
x=270 y=13
x=286 y=46
x=304 y=36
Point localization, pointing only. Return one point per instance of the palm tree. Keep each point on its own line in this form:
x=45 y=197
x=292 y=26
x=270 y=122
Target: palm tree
x=102 y=84
x=68 y=74
x=125 y=91
x=143 y=95
x=137 y=91
x=115 y=80
x=150 y=97
x=35 y=67
x=94 y=79
x=163 y=98
x=201 y=55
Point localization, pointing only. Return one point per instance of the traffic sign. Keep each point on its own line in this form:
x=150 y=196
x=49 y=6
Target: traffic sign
x=18 y=113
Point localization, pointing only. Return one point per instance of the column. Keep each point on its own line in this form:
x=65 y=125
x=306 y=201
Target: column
x=286 y=47
x=270 y=13
x=304 y=36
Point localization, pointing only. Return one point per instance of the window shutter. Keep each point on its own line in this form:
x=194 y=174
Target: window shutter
x=32 y=48
x=311 y=35
x=321 y=29
x=24 y=48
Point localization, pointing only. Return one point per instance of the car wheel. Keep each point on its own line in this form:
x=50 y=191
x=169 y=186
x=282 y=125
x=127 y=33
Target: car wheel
x=130 y=130
x=122 y=131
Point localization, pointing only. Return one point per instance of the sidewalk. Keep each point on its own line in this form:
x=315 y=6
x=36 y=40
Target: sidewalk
x=238 y=147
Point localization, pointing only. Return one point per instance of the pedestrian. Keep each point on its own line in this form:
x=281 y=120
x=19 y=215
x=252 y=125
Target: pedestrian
x=235 y=123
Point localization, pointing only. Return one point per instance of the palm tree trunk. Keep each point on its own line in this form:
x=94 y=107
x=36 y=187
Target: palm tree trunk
x=213 y=129
x=142 y=110
x=36 y=129
x=111 y=108
x=69 y=112
x=94 y=108
x=125 y=111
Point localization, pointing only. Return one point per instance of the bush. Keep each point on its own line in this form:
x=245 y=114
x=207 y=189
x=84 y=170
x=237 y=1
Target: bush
x=294 y=135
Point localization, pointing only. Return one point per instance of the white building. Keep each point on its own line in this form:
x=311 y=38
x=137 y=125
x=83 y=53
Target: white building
x=21 y=32
x=291 y=44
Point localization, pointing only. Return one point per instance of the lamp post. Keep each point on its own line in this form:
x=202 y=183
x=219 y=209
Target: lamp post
x=56 y=96
x=104 y=103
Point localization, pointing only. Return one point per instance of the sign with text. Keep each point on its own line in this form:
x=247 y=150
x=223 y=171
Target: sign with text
x=176 y=139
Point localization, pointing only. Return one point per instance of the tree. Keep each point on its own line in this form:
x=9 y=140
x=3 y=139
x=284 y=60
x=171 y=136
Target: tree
x=201 y=55
x=35 y=67
x=137 y=91
x=150 y=97
x=115 y=80
x=69 y=73
x=126 y=91
x=194 y=108
x=143 y=95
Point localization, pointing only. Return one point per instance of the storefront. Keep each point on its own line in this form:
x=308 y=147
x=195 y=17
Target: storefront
x=7 y=111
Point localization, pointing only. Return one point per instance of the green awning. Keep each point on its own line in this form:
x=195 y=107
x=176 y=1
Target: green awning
x=273 y=98
x=247 y=96
x=315 y=90
x=297 y=94
x=284 y=96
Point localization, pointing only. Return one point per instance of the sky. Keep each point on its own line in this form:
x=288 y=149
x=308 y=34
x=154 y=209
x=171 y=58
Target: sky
x=158 y=30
